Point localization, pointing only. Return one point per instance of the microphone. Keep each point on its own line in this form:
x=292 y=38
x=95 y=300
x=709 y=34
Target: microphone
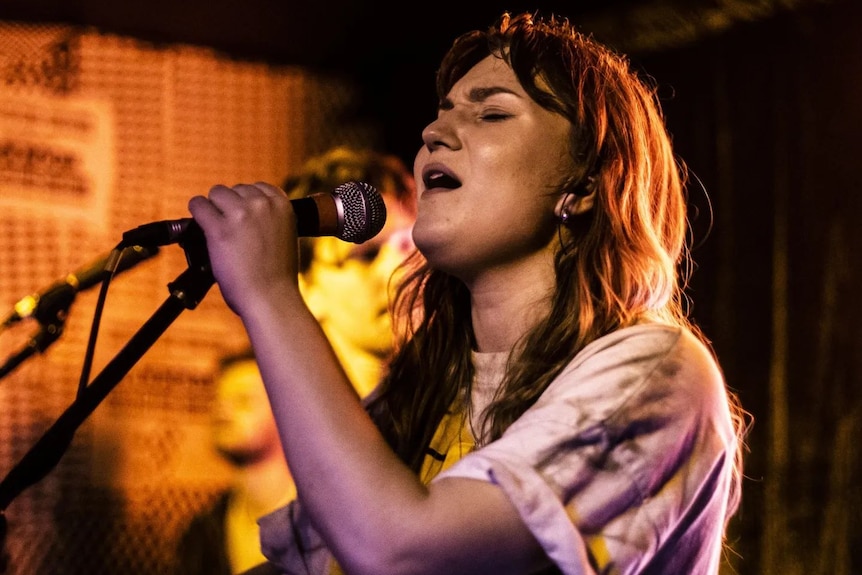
x=46 y=305
x=353 y=212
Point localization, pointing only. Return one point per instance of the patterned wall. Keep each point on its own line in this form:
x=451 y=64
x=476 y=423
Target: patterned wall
x=99 y=134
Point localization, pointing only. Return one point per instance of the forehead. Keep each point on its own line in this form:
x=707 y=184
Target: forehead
x=491 y=75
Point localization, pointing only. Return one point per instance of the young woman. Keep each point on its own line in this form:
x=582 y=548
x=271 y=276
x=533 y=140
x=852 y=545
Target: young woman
x=550 y=409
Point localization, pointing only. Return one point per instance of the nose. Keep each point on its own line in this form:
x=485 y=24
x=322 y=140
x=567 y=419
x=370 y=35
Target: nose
x=440 y=133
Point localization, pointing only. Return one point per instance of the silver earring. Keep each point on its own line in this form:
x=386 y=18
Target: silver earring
x=564 y=217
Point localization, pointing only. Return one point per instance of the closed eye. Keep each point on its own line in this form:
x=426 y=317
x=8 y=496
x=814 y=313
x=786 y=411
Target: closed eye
x=494 y=116
x=366 y=256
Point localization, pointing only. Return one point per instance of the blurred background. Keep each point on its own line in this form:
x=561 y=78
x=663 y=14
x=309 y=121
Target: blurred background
x=113 y=114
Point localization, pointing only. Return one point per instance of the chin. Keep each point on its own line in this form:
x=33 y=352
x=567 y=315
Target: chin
x=426 y=241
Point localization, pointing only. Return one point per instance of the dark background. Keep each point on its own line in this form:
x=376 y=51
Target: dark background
x=390 y=51
x=764 y=101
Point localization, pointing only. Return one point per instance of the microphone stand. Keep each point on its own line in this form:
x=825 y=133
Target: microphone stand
x=186 y=292
x=51 y=307
x=51 y=314
x=46 y=335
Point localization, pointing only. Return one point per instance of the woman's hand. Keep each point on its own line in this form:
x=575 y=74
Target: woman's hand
x=251 y=238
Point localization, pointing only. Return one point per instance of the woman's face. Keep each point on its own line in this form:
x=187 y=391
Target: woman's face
x=488 y=174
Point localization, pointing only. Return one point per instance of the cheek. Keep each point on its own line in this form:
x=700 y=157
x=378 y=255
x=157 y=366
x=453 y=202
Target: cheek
x=418 y=162
x=529 y=168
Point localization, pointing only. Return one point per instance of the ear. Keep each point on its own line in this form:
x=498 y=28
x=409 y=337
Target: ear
x=576 y=203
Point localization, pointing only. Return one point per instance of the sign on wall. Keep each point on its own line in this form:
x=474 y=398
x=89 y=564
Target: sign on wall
x=56 y=155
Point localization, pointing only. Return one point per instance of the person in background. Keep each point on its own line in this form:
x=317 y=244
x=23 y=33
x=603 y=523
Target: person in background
x=550 y=408
x=223 y=539
x=345 y=285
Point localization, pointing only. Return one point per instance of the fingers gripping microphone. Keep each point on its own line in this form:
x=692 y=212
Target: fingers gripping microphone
x=353 y=212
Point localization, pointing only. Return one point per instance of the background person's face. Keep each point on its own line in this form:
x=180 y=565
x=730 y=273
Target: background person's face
x=348 y=285
x=244 y=429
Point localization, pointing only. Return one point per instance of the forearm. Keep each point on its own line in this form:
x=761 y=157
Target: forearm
x=349 y=480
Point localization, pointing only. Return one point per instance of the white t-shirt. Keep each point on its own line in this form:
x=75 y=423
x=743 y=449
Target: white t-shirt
x=623 y=465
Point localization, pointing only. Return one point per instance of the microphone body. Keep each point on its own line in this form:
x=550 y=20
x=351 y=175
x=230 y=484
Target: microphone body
x=56 y=299
x=353 y=212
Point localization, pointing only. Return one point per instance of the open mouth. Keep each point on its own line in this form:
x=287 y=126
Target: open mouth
x=435 y=179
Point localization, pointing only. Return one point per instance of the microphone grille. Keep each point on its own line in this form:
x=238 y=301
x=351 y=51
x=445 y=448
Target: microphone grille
x=364 y=211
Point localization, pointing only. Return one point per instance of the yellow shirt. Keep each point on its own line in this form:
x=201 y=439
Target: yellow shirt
x=454 y=438
x=452 y=441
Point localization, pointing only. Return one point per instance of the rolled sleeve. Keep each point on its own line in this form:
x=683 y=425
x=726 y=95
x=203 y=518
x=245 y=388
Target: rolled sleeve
x=608 y=463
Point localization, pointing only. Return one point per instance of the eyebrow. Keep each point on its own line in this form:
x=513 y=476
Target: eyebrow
x=478 y=95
